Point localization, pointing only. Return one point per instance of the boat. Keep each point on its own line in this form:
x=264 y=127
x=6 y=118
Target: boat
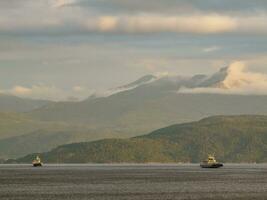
x=210 y=162
x=37 y=162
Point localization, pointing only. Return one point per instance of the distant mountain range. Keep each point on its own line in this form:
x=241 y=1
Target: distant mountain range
x=231 y=138
x=127 y=111
x=9 y=103
x=154 y=102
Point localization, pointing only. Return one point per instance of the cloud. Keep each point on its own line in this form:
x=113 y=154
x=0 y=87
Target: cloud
x=239 y=80
x=20 y=90
x=62 y=3
x=240 y=77
x=46 y=19
x=49 y=92
x=173 y=6
x=200 y=24
x=211 y=49
x=38 y=92
x=107 y=24
x=195 y=24
x=77 y=88
x=83 y=16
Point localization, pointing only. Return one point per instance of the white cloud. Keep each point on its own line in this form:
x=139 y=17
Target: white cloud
x=196 y=24
x=49 y=92
x=20 y=90
x=38 y=92
x=61 y=3
x=78 y=88
x=107 y=23
x=202 y=24
x=162 y=74
x=239 y=80
x=211 y=49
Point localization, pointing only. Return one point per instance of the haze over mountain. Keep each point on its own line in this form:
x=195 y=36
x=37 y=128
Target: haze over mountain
x=165 y=100
x=161 y=60
x=9 y=103
x=134 y=109
x=230 y=138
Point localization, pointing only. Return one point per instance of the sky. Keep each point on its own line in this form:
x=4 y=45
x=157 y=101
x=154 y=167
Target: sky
x=70 y=49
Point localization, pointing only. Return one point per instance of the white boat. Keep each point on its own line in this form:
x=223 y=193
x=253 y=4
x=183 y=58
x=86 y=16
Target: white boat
x=210 y=162
x=37 y=162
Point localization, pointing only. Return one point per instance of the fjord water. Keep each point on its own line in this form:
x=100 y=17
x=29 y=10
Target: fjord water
x=133 y=182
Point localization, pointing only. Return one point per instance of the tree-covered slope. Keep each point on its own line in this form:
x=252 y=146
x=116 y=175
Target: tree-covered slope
x=230 y=138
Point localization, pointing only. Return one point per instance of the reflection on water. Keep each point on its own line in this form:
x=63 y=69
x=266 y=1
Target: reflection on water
x=133 y=182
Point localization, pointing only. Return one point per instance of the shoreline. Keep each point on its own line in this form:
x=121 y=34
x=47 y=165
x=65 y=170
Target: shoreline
x=128 y=164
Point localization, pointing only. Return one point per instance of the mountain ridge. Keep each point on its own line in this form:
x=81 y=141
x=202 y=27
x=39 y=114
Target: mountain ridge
x=153 y=104
x=10 y=103
x=232 y=139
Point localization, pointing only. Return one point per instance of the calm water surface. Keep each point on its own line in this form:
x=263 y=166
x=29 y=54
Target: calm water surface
x=133 y=182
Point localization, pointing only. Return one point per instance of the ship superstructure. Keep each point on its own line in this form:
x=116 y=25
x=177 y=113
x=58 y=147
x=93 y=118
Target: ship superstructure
x=210 y=162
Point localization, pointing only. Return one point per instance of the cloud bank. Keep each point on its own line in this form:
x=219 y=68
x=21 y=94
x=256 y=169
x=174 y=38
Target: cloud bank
x=48 y=41
x=194 y=24
x=49 y=92
x=239 y=80
x=202 y=24
x=65 y=17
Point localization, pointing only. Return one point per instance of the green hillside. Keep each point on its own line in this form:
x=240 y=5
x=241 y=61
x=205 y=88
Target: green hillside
x=230 y=138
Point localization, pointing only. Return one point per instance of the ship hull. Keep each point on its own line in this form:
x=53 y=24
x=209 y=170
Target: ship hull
x=37 y=164
x=215 y=165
